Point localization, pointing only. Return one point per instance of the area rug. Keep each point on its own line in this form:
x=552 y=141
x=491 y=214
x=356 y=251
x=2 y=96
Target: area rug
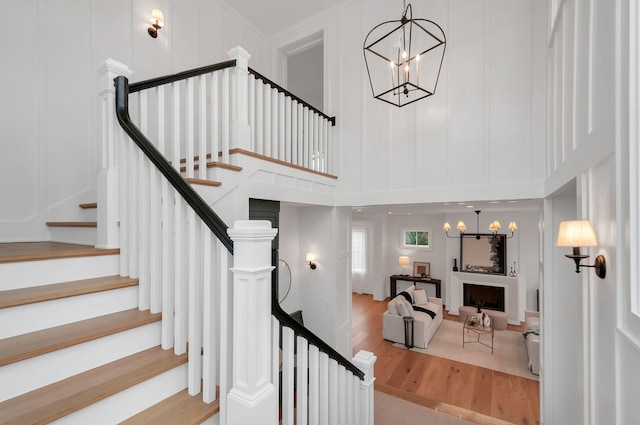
x=509 y=350
x=391 y=410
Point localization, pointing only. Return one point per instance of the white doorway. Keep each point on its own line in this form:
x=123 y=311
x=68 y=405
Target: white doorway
x=302 y=69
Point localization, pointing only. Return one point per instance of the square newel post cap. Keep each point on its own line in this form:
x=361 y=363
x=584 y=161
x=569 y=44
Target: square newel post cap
x=240 y=55
x=365 y=360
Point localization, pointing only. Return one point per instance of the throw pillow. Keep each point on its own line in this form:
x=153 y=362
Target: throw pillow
x=420 y=297
x=393 y=306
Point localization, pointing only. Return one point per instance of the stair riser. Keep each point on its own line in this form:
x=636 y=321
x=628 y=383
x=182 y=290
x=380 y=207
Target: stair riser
x=77 y=235
x=33 y=273
x=47 y=314
x=133 y=400
x=90 y=214
x=45 y=369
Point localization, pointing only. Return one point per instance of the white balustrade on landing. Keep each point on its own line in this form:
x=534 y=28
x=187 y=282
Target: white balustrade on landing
x=287 y=130
x=305 y=397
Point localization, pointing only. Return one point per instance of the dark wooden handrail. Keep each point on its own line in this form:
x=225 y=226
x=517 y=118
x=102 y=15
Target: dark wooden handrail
x=204 y=211
x=291 y=95
x=313 y=339
x=154 y=82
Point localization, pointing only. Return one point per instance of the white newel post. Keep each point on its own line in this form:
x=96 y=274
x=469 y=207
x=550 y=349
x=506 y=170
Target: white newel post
x=240 y=129
x=365 y=361
x=108 y=188
x=253 y=398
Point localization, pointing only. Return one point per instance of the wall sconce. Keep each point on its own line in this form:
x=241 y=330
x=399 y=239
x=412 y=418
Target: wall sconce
x=310 y=258
x=404 y=262
x=157 y=22
x=577 y=233
x=493 y=228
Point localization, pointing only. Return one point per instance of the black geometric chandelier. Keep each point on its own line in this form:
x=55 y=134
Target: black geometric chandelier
x=404 y=58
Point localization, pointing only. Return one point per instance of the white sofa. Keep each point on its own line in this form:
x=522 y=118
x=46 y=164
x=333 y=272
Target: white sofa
x=532 y=339
x=424 y=327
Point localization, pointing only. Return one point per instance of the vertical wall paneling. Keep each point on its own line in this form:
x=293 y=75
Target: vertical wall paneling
x=590 y=64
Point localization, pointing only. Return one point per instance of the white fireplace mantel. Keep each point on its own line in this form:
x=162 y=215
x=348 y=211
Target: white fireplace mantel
x=515 y=301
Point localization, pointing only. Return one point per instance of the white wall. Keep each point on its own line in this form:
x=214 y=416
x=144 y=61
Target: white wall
x=51 y=50
x=290 y=251
x=591 y=349
x=480 y=137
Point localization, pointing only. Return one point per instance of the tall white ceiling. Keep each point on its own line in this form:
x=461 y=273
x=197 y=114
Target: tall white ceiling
x=272 y=16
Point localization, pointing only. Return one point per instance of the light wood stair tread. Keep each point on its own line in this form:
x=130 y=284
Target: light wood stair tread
x=72 y=224
x=203 y=182
x=34 y=251
x=34 y=294
x=179 y=409
x=62 y=398
x=20 y=347
x=215 y=164
x=90 y=205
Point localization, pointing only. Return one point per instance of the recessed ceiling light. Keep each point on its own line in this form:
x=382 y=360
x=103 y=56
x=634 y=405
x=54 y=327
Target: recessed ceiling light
x=461 y=203
x=446 y=204
x=389 y=212
x=512 y=202
x=469 y=206
x=408 y=213
x=494 y=202
x=359 y=210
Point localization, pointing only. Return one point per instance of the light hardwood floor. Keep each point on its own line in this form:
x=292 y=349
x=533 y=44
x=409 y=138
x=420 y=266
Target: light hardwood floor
x=445 y=385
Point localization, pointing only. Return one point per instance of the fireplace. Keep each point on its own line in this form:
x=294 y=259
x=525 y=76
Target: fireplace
x=493 y=296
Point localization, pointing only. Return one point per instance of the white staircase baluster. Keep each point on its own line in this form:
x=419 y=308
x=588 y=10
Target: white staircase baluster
x=202 y=127
x=314 y=385
x=259 y=130
x=294 y=132
x=323 y=390
x=209 y=319
x=281 y=129
x=195 y=304
x=300 y=137
x=275 y=121
x=308 y=126
x=225 y=143
x=215 y=115
x=134 y=230
x=252 y=112
x=342 y=395
x=225 y=321
x=275 y=353
x=268 y=111
x=190 y=128
x=144 y=285
x=288 y=365
x=314 y=149
x=334 y=412
x=302 y=361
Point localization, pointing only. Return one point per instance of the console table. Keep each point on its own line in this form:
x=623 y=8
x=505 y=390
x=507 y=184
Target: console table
x=394 y=278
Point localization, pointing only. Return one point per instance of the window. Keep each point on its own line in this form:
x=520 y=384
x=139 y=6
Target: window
x=358 y=250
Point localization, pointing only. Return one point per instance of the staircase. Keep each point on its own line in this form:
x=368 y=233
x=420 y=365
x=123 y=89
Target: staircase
x=76 y=349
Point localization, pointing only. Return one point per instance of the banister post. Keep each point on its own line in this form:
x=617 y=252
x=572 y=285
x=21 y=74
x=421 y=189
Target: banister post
x=240 y=130
x=365 y=361
x=108 y=184
x=253 y=398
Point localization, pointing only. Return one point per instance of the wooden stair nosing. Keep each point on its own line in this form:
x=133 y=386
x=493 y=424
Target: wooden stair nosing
x=72 y=224
x=64 y=397
x=214 y=164
x=180 y=408
x=203 y=182
x=34 y=294
x=90 y=205
x=21 y=347
x=36 y=251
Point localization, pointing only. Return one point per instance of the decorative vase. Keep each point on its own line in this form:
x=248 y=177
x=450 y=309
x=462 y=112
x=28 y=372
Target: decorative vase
x=486 y=320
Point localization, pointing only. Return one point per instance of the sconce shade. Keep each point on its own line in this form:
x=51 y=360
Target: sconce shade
x=513 y=226
x=461 y=226
x=310 y=257
x=403 y=261
x=576 y=233
x=157 y=18
x=446 y=226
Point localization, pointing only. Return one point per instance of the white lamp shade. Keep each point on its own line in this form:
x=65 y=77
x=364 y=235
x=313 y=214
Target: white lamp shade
x=576 y=233
x=403 y=261
x=446 y=226
x=310 y=257
x=513 y=226
x=461 y=226
x=157 y=18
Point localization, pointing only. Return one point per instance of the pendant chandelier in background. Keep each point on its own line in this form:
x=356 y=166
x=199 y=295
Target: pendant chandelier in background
x=404 y=58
